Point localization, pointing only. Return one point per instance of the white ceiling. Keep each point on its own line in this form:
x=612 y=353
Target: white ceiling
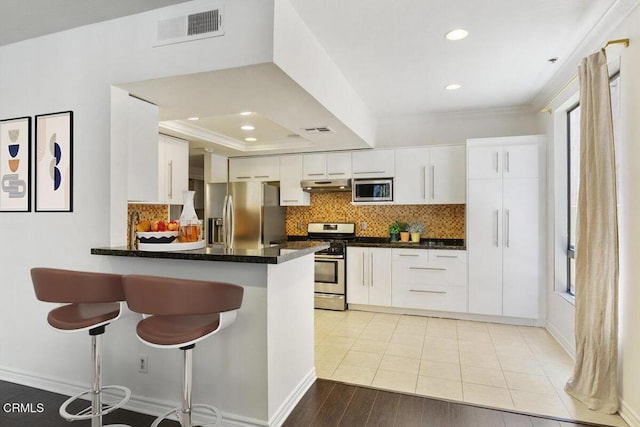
x=392 y=52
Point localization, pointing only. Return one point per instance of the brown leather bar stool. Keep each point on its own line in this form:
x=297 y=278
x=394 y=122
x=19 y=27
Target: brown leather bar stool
x=92 y=301
x=182 y=313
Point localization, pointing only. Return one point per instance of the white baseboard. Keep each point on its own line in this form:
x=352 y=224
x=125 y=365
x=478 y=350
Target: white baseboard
x=141 y=404
x=629 y=415
x=566 y=345
x=292 y=400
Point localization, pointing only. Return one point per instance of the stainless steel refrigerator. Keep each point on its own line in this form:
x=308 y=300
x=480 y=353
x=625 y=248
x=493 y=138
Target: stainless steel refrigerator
x=252 y=217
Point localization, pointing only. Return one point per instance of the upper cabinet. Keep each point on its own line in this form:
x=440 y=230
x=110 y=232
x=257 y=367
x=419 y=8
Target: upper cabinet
x=254 y=169
x=430 y=175
x=143 y=151
x=504 y=161
x=173 y=166
x=326 y=166
x=291 y=193
x=373 y=163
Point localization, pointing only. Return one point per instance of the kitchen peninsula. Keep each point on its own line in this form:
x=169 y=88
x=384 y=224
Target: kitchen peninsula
x=256 y=370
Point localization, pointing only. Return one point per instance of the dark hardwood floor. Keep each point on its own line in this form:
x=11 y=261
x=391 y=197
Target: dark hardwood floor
x=325 y=404
x=329 y=403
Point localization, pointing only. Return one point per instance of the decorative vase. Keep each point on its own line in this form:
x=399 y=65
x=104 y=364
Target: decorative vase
x=189 y=222
x=415 y=237
x=404 y=236
x=394 y=237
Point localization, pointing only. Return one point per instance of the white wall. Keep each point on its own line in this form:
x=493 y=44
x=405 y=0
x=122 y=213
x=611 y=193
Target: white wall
x=560 y=312
x=74 y=70
x=456 y=128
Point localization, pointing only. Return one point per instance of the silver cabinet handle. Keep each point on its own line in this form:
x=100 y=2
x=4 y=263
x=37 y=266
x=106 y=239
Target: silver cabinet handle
x=433 y=182
x=506 y=227
x=408 y=255
x=447 y=256
x=424 y=182
x=497 y=214
x=336 y=173
x=496 y=163
x=427 y=292
x=508 y=166
x=363 y=270
x=170 y=170
x=290 y=200
x=315 y=174
x=262 y=176
x=243 y=177
x=365 y=172
x=428 y=268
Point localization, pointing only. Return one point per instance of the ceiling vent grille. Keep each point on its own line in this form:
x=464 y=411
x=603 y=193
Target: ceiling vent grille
x=190 y=27
x=322 y=129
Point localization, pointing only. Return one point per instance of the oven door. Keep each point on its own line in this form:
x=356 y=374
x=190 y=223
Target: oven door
x=329 y=274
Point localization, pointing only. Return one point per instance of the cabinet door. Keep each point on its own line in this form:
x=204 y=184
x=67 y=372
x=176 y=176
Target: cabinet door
x=339 y=165
x=380 y=276
x=266 y=168
x=447 y=175
x=411 y=182
x=484 y=162
x=143 y=151
x=373 y=164
x=314 y=166
x=291 y=193
x=240 y=169
x=484 y=245
x=521 y=257
x=176 y=169
x=357 y=275
x=520 y=161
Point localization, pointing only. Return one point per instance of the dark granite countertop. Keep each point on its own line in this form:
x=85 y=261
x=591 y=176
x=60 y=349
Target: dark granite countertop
x=383 y=242
x=278 y=254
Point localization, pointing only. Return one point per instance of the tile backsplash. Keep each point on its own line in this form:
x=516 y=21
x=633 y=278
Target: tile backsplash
x=148 y=212
x=441 y=221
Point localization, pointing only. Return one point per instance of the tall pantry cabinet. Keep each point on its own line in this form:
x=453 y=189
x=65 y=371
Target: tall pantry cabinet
x=504 y=231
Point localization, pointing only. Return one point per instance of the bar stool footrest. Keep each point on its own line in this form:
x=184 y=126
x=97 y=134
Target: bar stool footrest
x=177 y=412
x=107 y=407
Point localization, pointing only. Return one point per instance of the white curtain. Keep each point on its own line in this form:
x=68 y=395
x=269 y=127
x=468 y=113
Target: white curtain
x=594 y=379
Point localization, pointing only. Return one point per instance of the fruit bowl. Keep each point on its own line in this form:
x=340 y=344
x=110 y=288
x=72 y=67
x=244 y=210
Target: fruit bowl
x=157 y=236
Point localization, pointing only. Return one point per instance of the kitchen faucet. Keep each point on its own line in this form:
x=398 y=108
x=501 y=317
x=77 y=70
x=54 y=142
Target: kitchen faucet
x=135 y=218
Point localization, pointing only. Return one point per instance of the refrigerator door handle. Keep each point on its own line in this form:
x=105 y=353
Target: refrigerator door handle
x=227 y=215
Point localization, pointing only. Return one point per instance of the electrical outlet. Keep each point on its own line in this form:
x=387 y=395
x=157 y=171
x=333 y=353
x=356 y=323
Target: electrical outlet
x=363 y=225
x=142 y=363
x=299 y=225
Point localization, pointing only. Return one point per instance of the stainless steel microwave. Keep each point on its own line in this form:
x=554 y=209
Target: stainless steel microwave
x=373 y=190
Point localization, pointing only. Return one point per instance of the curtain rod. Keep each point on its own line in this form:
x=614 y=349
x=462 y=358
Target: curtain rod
x=625 y=42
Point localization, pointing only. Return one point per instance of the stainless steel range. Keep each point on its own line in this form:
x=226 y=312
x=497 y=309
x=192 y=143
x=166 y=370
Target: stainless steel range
x=330 y=271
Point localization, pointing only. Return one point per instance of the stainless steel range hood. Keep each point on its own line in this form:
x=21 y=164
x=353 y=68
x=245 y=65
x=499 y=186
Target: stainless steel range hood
x=325 y=185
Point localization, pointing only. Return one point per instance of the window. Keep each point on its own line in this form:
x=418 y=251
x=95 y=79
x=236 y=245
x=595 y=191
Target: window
x=573 y=175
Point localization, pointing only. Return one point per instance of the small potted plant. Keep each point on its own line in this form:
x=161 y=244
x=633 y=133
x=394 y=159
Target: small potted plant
x=404 y=233
x=394 y=230
x=416 y=229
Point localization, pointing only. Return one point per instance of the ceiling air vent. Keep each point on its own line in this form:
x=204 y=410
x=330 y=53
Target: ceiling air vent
x=190 y=27
x=322 y=129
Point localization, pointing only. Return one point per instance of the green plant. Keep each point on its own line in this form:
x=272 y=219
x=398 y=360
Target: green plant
x=416 y=227
x=395 y=227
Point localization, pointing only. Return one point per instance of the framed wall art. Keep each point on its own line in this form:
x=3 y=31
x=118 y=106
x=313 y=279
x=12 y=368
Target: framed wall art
x=15 y=156
x=54 y=162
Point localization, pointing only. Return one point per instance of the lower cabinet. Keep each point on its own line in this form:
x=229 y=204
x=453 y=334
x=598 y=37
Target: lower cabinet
x=429 y=279
x=369 y=276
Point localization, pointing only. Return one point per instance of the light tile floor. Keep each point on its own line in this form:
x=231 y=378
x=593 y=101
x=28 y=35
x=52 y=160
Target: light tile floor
x=503 y=366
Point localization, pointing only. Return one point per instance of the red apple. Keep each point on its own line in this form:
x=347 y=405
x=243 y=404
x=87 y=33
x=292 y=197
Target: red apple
x=173 y=225
x=162 y=226
x=154 y=225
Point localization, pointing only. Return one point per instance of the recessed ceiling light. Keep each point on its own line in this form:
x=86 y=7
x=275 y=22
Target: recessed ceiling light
x=247 y=127
x=250 y=139
x=193 y=118
x=245 y=113
x=454 y=86
x=457 y=34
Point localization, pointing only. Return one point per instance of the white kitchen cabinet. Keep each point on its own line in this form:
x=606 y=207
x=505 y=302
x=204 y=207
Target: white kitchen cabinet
x=369 y=276
x=216 y=169
x=254 y=169
x=430 y=175
x=143 y=151
x=504 y=208
x=429 y=279
x=173 y=164
x=373 y=163
x=291 y=193
x=327 y=166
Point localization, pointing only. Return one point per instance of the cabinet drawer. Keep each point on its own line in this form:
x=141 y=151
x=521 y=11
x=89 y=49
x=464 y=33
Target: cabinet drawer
x=447 y=257
x=414 y=256
x=429 y=274
x=430 y=297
